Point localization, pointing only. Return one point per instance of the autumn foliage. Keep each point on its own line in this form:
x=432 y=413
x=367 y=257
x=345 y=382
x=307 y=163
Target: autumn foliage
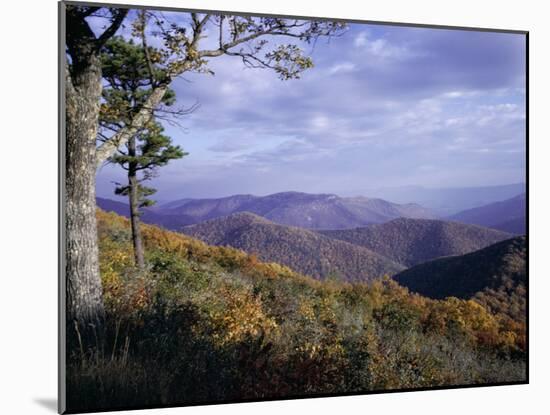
x=205 y=323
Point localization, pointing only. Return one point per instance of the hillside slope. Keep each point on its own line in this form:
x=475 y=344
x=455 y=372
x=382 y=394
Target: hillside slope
x=496 y=275
x=302 y=250
x=212 y=324
x=507 y=215
x=413 y=241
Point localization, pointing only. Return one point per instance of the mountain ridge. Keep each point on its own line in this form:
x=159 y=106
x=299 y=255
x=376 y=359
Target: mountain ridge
x=312 y=211
x=450 y=200
x=505 y=214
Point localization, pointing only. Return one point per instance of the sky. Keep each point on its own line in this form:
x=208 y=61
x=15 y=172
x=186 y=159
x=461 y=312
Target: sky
x=384 y=106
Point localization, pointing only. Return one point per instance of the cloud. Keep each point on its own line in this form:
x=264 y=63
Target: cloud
x=381 y=47
x=341 y=68
x=360 y=40
x=319 y=122
x=454 y=94
x=384 y=105
x=228 y=146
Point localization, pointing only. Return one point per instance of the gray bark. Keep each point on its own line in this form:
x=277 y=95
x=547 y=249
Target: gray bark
x=83 y=92
x=84 y=291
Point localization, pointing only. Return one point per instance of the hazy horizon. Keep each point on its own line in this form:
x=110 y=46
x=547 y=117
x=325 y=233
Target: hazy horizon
x=384 y=106
x=370 y=193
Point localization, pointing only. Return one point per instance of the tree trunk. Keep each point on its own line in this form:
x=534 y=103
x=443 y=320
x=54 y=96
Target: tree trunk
x=82 y=96
x=84 y=291
x=134 y=205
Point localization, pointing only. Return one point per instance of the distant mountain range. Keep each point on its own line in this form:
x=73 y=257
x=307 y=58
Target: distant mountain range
x=413 y=241
x=507 y=215
x=448 y=201
x=311 y=211
x=495 y=276
x=303 y=250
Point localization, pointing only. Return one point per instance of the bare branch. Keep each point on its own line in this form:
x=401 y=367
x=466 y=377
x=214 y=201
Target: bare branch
x=142 y=17
x=88 y=11
x=202 y=23
x=197 y=29
x=118 y=17
x=111 y=126
x=225 y=47
x=195 y=19
x=221 y=31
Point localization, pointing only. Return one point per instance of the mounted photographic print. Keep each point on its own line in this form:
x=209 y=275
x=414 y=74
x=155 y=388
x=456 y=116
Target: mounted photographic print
x=258 y=207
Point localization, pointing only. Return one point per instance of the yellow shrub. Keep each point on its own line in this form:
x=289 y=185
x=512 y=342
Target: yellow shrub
x=241 y=316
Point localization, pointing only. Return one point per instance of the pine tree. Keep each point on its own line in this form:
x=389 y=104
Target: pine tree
x=130 y=80
x=145 y=153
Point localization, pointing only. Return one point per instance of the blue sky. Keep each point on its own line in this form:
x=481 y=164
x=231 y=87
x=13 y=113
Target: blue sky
x=384 y=106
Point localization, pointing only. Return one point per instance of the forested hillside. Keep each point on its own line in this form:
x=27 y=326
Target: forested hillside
x=413 y=241
x=495 y=276
x=304 y=251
